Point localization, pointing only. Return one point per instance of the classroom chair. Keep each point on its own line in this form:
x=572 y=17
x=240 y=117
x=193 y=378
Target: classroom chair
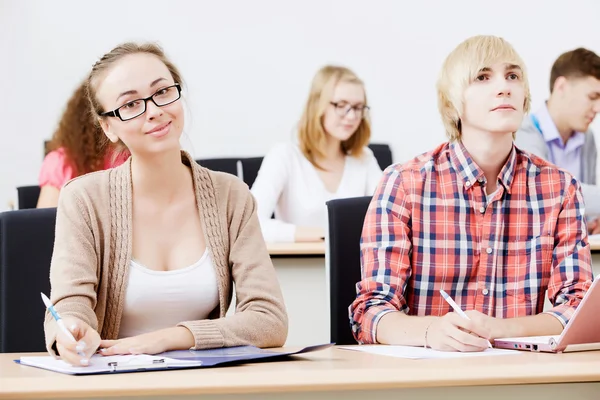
x=383 y=154
x=250 y=168
x=229 y=165
x=26 y=244
x=346 y=218
x=27 y=196
x=46 y=147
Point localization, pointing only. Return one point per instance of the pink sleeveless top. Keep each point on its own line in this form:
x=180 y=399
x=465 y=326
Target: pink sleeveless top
x=57 y=170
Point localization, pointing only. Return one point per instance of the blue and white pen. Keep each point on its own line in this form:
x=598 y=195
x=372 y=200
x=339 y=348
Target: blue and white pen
x=61 y=323
x=457 y=309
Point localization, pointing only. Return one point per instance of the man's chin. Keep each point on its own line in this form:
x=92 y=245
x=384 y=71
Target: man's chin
x=582 y=128
x=503 y=130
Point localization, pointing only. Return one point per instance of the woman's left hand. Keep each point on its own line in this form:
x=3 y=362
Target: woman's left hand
x=177 y=338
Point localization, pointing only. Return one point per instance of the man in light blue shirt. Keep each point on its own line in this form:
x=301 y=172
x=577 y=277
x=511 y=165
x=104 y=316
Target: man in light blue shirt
x=563 y=150
x=559 y=131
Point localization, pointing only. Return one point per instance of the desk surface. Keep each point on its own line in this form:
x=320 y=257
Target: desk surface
x=594 y=242
x=328 y=370
x=296 y=249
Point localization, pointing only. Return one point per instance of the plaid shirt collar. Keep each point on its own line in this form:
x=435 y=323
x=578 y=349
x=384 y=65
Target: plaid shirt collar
x=469 y=171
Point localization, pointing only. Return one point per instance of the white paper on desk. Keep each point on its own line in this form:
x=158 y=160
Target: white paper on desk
x=98 y=363
x=421 y=352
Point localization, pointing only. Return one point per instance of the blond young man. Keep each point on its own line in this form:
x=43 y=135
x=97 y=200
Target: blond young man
x=492 y=226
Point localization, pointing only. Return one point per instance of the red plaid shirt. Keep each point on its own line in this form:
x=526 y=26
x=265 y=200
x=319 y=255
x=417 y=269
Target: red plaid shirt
x=430 y=226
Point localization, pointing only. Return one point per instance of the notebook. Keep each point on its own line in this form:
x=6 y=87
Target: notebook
x=580 y=334
x=180 y=359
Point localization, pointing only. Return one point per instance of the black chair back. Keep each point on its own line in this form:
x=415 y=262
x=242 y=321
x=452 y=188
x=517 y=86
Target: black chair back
x=346 y=217
x=250 y=168
x=383 y=154
x=229 y=165
x=28 y=196
x=26 y=244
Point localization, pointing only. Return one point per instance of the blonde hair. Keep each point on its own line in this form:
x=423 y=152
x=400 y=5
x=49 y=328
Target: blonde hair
x=311 y=133
x=108 y=60
x=460 y=69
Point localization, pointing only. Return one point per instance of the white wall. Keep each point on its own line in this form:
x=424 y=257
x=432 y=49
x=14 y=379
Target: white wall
x=248 y=63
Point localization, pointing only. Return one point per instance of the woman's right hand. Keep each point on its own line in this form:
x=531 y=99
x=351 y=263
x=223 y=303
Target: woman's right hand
x=77 y=353
x=455 y=333
x=309 y=234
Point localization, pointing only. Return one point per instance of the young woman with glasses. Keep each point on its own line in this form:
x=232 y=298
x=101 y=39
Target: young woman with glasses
x=146 y=254
x=330 y=160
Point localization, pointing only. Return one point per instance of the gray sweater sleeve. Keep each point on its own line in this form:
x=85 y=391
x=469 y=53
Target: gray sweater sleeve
x=528 y=138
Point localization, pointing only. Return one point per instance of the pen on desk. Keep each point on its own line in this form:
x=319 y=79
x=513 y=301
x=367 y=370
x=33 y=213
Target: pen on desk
x=60 y=322
x=457 y=309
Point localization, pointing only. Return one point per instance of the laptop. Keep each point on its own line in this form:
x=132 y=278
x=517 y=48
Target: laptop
x=582 y=333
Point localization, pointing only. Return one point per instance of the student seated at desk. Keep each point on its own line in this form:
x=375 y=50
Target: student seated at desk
x=146 y=254
x=491 y=225
x=330 y=161
x=559 y=131
x=75 y=149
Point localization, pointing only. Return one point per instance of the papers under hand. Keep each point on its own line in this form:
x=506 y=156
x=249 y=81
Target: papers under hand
x=169 y=360
x=101 y=364
x=422 y=353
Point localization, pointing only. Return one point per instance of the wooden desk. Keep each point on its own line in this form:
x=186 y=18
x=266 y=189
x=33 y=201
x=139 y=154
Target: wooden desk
x=302 y=276
x=296 y=249
x=594 y=243
x=329 y=374
x=595 y=247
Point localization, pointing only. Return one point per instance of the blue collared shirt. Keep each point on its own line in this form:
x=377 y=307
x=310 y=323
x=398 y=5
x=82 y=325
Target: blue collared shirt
x=566 y=156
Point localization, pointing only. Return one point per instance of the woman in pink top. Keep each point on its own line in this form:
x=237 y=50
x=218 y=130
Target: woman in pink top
x=75 y=150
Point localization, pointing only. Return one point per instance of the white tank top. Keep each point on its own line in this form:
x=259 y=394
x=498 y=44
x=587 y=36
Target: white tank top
x=161 y=299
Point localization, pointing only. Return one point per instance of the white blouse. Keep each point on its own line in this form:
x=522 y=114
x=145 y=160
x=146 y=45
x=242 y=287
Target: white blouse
x=161 y=299
x=289 y=185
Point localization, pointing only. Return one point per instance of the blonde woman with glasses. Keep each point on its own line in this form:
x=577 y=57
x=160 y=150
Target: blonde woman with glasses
x=330 y=160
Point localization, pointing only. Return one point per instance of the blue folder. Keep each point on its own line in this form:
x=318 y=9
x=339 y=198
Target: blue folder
x=171 y=360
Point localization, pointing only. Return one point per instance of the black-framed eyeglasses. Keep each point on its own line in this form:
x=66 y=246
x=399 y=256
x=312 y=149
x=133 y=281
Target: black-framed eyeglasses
x=135 y=108
x=342 y=109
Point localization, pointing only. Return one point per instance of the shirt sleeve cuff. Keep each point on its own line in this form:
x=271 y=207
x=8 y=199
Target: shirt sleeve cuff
x=206 y=334
x=372 y=317
x=563 y=313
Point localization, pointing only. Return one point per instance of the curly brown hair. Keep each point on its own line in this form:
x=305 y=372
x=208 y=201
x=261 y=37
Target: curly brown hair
x=79 y=135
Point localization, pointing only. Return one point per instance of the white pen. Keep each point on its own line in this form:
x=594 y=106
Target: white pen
x=457 y=309
x=60 y=322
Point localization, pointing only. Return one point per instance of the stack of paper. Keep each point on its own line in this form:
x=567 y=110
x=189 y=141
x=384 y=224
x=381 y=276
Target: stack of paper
x=421 y=352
